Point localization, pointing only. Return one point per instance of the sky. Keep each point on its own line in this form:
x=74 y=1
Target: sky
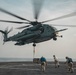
x=63 y=47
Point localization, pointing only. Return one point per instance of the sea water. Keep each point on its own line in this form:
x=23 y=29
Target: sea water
x=27 y=59
x=14 y=59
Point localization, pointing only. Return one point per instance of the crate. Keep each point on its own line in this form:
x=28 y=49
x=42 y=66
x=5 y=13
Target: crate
x=36 y=60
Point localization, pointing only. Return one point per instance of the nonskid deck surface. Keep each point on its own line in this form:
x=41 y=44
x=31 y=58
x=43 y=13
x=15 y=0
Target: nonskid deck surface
x=30 y=68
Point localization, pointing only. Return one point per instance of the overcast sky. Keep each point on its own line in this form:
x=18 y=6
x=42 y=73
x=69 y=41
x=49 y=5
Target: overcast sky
x=65 y=46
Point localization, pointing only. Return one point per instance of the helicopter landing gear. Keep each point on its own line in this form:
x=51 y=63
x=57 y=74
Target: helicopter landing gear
x=61 y=36
x=55 y=38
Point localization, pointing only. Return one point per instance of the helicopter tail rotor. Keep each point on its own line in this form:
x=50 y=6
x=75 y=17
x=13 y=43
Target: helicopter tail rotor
x=5 y=34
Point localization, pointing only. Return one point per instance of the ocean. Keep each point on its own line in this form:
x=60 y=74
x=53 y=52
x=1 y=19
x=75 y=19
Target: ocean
x=15 y=59
x=26 y=59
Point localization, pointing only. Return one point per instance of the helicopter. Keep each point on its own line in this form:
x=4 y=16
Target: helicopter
x=35 y=32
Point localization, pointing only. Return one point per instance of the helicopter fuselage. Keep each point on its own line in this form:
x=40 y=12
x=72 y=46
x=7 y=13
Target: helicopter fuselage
x=34 y=36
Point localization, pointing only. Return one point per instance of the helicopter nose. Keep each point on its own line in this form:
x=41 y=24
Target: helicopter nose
x=56 y=35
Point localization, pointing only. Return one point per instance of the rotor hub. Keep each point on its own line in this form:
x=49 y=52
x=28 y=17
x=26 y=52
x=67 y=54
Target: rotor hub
x=35 y=23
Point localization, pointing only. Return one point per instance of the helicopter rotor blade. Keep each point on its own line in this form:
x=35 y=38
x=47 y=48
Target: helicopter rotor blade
x=5 y=11
x=63 y=25
x=6 y=30
x=37 y=4
x=14 y=22
x=23 y=27
x=10 y=30
x=61 y=30
x=61 y=17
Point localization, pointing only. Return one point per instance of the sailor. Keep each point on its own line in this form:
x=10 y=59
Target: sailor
x=56 y=62
x=69 y=62
x=43 y=63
